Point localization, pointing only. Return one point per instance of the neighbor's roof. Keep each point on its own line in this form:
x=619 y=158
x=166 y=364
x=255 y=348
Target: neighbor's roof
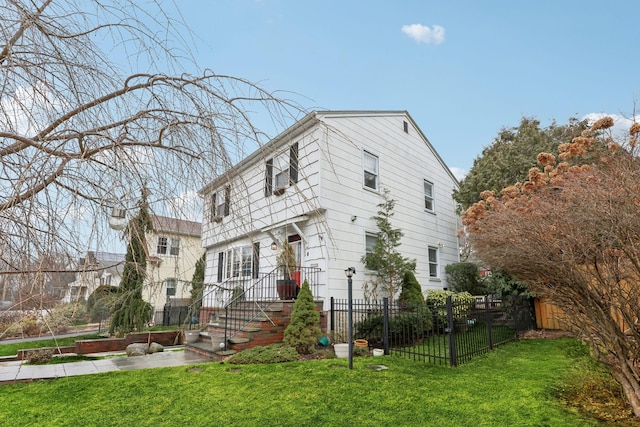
x=176 y=226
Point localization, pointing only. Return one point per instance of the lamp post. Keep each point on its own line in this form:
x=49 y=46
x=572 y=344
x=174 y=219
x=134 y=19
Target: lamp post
x=350 y=272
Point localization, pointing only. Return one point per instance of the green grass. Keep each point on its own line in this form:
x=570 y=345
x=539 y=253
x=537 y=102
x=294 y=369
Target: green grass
x=11 y=349
x=516 y=385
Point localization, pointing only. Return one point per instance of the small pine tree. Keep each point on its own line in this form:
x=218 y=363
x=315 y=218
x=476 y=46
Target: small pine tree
x=411 y=293
x=303 y=330
x=385 y=259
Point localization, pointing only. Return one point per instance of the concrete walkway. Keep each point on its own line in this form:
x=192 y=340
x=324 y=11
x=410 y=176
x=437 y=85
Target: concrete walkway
x=17 y=371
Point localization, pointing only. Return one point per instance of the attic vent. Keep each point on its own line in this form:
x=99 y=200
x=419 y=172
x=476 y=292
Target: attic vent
x=405 y=126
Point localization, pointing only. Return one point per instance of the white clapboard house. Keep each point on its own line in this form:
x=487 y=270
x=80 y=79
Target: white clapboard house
x=317 y=185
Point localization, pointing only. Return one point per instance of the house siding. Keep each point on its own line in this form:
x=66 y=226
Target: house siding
x=330 y=192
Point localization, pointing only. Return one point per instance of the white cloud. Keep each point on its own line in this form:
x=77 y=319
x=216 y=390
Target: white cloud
x=458 y=173
x=621 y=124
x=424 y=34
x=187 y=205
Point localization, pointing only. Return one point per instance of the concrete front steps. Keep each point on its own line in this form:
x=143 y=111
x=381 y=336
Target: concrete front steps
x=261 y=329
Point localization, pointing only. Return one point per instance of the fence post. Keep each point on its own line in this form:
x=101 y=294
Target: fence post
x=489 y=326
x=453 y=358
x=385 y=325
x=165 y=315
x=332 y=318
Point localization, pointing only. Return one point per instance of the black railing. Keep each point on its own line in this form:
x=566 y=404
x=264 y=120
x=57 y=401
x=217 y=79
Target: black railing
x=450 y=333
x=239 y=300
x=253 y=302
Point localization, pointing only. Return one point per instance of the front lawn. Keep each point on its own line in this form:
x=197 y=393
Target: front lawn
x=516 y=385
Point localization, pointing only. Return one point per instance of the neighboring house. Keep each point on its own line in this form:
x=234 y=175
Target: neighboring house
x=96 y=268
x=318 y=185
x=174 y=248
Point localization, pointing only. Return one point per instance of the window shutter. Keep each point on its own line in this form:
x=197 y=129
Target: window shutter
x=213 y=206
x=256 y=260
x=220 y=265
x=268 y=181
x=227 y=199
x=293 y=163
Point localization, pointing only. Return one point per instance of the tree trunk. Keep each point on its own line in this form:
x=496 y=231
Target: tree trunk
x=630 y=387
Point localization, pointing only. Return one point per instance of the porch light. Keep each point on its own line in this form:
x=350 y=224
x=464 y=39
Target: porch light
x=274 y=246
x=117 y=220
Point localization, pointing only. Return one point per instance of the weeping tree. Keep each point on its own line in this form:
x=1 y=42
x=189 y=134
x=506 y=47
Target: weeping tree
x=98 y=99
x=572 y=234
x=131 y=312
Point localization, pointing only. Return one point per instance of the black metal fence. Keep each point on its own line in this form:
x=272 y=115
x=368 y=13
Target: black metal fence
x=448 y=333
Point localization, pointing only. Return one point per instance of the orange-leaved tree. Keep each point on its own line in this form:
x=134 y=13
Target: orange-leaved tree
x=572 y=234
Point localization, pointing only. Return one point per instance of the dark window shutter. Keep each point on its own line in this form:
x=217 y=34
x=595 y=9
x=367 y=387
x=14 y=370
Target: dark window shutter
x=213 y=206
x=227 y=199
x=256 y=259
x=220 y=265
x=293 y=163
x=268 y=180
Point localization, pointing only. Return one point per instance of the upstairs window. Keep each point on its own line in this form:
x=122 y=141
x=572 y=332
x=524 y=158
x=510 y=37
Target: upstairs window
x=175 y=247
x=168 y=246
x=163 y=243
x=220 y=204
x=281 y=171
x=428 y=196
x=370 y=171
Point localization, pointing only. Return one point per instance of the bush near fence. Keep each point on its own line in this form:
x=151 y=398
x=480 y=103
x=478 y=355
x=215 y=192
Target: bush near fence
x=447 y=333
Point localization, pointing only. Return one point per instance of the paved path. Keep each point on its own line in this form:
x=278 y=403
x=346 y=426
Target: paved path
x=17 y=371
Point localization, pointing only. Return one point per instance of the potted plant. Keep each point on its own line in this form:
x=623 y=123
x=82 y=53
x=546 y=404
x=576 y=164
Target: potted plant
x=287 y=287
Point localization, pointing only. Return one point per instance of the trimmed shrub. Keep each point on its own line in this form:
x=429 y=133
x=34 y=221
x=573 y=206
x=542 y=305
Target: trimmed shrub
x=404 y=329
x=303 y=330
x=461 y=304
x=411 y=293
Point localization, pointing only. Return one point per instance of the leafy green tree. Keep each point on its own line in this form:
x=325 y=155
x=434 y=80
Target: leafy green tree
x=131 y=312
x=508 y=159
x=385 y=259
x=411 y=292
x=502 y=284
x=197 y=281
x=303 y=330
x=465 y=277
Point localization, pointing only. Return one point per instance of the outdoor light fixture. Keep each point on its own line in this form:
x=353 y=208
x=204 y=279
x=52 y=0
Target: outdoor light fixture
x=117 y=220
x=350 y=272
x=274 y=246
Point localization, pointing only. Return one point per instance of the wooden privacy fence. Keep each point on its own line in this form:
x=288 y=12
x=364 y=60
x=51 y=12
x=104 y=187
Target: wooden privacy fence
x=450 y=333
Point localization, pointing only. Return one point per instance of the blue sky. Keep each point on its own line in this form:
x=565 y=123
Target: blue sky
x=463 y=69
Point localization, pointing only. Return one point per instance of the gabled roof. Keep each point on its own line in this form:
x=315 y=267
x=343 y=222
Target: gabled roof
x=305 y=123
x=163 y=224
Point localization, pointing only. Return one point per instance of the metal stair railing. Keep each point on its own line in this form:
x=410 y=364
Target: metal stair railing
x=215 y=294
x=260 y=296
